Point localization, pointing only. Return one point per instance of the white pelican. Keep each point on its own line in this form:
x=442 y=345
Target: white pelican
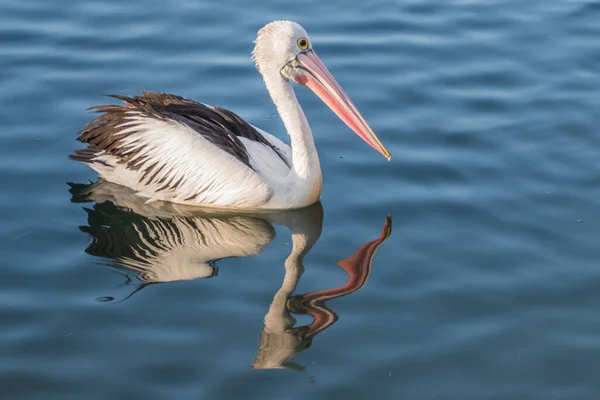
x=173 y=149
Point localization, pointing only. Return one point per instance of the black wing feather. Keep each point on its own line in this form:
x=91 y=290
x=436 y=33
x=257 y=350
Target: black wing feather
x=221 y=127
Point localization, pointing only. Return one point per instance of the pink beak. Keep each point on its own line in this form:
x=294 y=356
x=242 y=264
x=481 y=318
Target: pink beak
x=309 y=70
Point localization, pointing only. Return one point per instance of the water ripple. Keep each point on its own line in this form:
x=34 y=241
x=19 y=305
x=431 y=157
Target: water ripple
x=487 y=288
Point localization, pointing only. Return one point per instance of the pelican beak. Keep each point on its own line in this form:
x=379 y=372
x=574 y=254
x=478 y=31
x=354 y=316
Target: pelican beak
x=308 y=70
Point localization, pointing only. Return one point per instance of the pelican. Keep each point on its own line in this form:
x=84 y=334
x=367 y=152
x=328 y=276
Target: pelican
x=169 y=148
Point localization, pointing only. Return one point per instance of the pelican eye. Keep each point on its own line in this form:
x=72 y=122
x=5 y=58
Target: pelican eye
x=303 y=44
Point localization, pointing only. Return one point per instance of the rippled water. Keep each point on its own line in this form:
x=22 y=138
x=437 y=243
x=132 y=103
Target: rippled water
x=488 y=287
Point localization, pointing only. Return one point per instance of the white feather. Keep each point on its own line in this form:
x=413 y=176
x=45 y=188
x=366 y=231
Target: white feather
x=206 y=173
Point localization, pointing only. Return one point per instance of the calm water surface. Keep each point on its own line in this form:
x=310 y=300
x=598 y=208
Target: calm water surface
x=487 y=287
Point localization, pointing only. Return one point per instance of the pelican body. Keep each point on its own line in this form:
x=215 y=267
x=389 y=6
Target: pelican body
x=169 y=148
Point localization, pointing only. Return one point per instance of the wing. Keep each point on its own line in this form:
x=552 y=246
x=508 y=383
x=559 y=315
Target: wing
x=166 y=147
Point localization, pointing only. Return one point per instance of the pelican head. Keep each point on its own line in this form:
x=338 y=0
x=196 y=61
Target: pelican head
x=284 y=48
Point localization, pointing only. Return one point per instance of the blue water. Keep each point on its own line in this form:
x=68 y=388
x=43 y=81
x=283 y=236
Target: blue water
x=487 y=287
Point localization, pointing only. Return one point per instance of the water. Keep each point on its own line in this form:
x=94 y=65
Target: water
x=488 y=287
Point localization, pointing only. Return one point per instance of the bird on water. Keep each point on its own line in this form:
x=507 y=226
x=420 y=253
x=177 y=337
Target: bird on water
x=169 y=148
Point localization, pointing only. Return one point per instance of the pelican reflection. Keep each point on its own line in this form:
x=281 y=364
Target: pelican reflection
x=165 y=242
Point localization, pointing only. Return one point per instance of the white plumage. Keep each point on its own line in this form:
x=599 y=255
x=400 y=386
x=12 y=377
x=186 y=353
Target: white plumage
x=167 y=148
x=176 y=146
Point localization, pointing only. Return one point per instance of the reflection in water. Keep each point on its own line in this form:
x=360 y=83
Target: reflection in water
x=163 y=242
x=279 y=340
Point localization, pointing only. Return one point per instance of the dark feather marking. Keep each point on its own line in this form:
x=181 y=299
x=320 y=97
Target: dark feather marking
x=147 y=171
x=190 y=197
x=219 y=126
x=87 y=155
x=176 y=185
x=158 y=170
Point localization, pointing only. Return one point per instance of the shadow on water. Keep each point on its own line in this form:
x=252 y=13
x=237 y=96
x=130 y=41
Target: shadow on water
x=162 y=242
